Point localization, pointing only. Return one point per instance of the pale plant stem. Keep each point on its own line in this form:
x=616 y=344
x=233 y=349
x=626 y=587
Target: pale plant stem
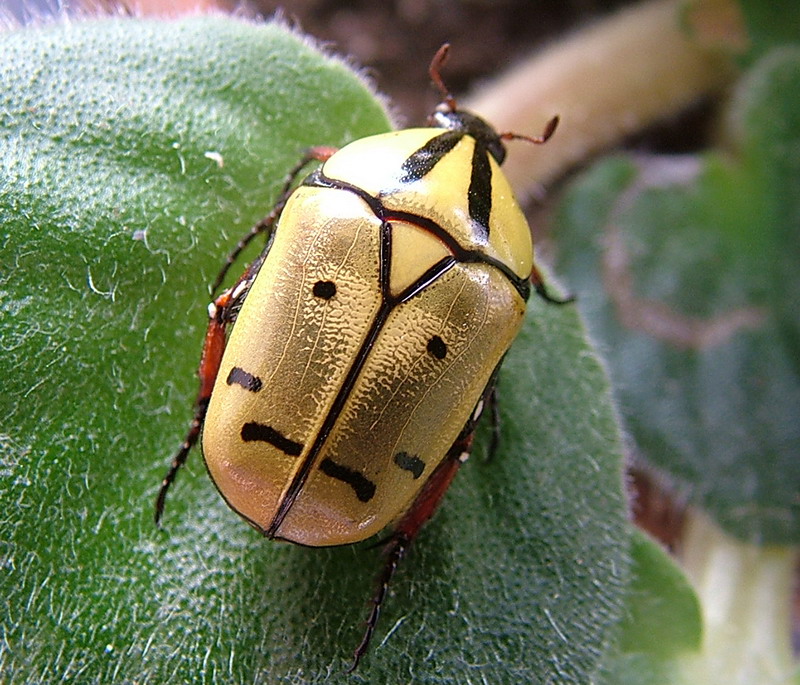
x=745 y=593
x=606 y=81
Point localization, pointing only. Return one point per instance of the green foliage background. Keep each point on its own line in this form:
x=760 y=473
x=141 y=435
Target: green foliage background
x=711 y=242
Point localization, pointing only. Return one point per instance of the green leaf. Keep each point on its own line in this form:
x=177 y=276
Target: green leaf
x=686 y=270
x=662 y=626
x=662 y=623
x=135 y=154
x=663 y=612
x=770 y=25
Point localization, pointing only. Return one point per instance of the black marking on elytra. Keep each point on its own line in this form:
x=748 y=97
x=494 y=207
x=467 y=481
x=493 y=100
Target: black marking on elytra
x=522 y=285
x=324 y=289
x=247 y=380
x=437 y=347
x=419 y=163
x=253 y=431
x=458 y=255
x=479 y=194
x=410 y=462
x=362 y=486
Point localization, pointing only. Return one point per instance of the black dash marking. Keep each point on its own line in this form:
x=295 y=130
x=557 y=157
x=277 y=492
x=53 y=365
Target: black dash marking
x=429 y=155
x=260 y=432
x=410 y=462
x=325 y=289
x=363 y=486
x=437 y=347
x=247 y=380
x=479 y=194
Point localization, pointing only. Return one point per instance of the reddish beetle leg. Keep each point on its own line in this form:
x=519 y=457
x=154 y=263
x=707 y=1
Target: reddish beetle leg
x=213 y=347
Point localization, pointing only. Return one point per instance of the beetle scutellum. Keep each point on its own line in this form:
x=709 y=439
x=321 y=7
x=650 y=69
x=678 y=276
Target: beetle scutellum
x=364 y=340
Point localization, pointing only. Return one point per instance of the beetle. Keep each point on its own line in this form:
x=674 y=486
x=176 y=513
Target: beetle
x=343 y=374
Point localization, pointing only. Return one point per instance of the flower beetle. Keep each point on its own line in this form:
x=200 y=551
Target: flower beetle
x=343 y=374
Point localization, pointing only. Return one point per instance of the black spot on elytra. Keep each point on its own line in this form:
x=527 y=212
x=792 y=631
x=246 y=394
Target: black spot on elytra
x=410 y=462
x=437 y=347
x=247 y=380
x=325 y=289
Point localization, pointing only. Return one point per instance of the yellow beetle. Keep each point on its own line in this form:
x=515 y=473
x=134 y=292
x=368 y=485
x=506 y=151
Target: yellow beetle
x=367 y=337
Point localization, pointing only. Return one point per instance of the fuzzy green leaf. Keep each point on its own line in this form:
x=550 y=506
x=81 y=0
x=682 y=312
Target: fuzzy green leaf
x=663 y=612
x=662 y=622
x=134 y=155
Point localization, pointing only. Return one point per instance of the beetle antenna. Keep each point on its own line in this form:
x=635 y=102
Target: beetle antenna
x=434 y=70
x=549 y=130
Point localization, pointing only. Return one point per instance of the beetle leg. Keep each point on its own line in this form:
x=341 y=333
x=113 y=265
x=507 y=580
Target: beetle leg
x=538 y=285
x=318 y=154
x=488 y=397
x=494 y=407
x=395 y=550
x=220 y=315
x=420 y=511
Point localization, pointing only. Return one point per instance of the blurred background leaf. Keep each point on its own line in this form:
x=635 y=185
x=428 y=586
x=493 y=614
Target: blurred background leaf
x=697 y=316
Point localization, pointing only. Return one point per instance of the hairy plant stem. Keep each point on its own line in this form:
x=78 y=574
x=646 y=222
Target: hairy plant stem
x=607 y=81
